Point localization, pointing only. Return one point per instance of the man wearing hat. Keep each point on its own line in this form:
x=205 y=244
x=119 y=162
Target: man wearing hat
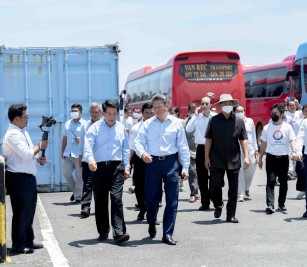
x=224 y=135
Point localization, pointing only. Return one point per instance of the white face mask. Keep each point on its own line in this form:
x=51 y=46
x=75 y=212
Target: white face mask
x=74 y=115
x=227 y=109
x=135 y=115
x=240 y=115
x=174 y=115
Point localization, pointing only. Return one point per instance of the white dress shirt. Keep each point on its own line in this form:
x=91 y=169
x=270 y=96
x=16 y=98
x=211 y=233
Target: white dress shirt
x=134 y=132
x=251 y=134
x=163 y=138
x=105 y=143
x=18 y=151
x=301 y=137
x=71 y=130
x=199 y=124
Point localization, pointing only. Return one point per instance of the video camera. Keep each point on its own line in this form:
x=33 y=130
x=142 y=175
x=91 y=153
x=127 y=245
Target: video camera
x=46 y=122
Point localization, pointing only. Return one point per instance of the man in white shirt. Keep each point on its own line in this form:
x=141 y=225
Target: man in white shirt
x=292 y=116
x=246 y=174
x=275 y=140
x=301 y=141
x=21 y=160
x=106 y=149
x=299 y=166
x=70 y=152
x=192 y=146
x=199 y=123
x=95 y=114
x=161 y=142
x=139 y=165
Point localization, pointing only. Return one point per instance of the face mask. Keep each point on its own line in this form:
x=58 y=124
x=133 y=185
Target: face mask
x=135 y=115
x=274 y=117
x=174 y=115
x=240 y=115
x=227 y=109
x=74 y=115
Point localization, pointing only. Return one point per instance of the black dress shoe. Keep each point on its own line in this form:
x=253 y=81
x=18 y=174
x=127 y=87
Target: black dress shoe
x=232 y=219
x=103 y=237
x=218 y=211
x=152 y=230
x=122 y=238
x=72 y=198
x=36 y=246
x=85 y=212
x=141 y=216
x=168 y=240
x=22 y=250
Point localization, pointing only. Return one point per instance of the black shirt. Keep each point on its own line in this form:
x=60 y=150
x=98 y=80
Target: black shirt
x=225 y=135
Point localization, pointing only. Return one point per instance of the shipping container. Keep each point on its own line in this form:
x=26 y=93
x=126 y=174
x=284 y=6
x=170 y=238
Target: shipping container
x=49 y=81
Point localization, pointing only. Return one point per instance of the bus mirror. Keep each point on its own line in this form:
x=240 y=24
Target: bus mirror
x=286 y=87
x=291 y=73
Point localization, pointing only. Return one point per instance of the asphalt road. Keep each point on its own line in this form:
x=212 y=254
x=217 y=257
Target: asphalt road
x=259 y=239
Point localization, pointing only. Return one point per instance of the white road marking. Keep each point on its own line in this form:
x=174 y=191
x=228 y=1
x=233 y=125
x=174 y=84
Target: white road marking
x=56 y=255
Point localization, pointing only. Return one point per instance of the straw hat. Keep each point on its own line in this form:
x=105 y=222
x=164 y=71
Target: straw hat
x=227 y=97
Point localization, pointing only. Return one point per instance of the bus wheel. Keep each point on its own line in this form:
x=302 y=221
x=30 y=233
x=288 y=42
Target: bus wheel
x=258 y=135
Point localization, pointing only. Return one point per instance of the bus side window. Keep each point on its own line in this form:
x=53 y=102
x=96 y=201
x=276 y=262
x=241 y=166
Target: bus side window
x=286 y=87
x=155 y=82
x=145 y=88
x=258 y=83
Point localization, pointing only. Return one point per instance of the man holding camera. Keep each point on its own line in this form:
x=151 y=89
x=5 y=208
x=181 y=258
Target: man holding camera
x=21 y=160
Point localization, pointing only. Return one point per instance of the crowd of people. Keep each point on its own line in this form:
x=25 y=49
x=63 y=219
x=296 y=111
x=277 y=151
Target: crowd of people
x=160 y=150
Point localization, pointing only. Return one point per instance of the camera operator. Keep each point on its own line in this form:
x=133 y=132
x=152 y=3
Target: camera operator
x=21 y=165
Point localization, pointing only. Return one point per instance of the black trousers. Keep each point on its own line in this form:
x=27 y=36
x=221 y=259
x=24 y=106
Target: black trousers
x=217 y=183
x=86 y=198
x=23 y=194
x=139 y=181
x=109 y=180
x=202 y=176
x=300 y=171
x=276 y=166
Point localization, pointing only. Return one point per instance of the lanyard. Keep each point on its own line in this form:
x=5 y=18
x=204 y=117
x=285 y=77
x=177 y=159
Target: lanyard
x=75 y=128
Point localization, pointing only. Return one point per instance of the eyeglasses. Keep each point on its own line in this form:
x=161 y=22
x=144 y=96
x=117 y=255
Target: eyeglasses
x=205 y=104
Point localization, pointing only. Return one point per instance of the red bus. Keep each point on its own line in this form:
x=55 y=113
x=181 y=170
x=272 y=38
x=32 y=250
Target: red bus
x=264 y=86
x=186 y=78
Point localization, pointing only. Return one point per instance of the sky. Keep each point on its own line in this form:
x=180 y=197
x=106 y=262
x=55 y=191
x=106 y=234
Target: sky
x=151 y=32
